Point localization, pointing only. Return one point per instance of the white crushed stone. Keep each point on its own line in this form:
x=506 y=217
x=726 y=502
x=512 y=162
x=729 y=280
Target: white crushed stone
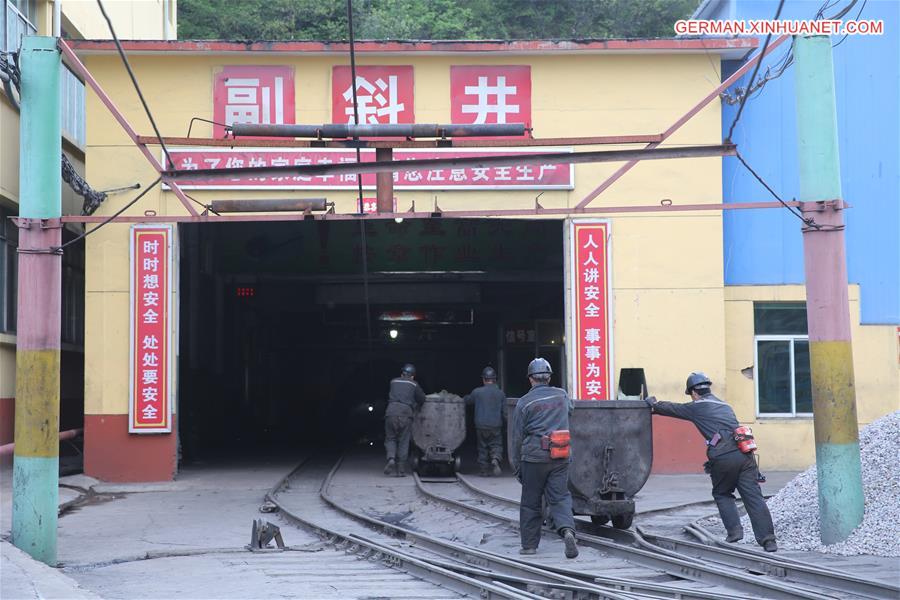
x=795 y=508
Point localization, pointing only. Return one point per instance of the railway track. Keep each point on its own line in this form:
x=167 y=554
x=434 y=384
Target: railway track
x=715 y=554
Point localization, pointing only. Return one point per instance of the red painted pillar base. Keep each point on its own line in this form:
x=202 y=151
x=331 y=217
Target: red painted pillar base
x=113 y=454
x=677 y=447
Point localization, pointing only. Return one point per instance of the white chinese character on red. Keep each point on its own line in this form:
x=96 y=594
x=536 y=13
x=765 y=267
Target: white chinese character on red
x=248 y=101
x=151 y=264
x=593 y=388
x=151 y=299
x=590 y=242
x=592 y=352
x=591 y=292
x=502 y=173
x=592 y=335
x=188 y=164
x=593 y=370
x=591 y=275
x=591 y=310
x=149 y=394
x=590 y=260
x=480 y=174
x=374 y=100
x=491 y=100
x=150 y=316
x=151 y=282
x=151 y=246
x=526 y=173
x=457 y=174
x=149 y=412
x=149 y=377
x=545 y=168
x=150 y=359
x=150 y=342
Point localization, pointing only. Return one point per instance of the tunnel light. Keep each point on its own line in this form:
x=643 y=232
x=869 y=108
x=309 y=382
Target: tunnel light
x=370 y=408
x=398 y=220
x=393 y=333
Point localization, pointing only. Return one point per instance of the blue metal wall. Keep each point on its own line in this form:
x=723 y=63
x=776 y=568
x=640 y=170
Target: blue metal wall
x=764 y=247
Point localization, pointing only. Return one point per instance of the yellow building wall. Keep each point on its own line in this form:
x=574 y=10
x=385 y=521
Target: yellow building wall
x=788 y=443
x=133 y=19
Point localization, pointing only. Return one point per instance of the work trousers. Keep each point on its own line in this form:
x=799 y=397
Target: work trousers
x=738 y=470
x=490 y=445
x=397 y=431
x=548 y=480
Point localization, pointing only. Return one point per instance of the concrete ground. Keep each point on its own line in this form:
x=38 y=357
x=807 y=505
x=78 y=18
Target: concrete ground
x=186 y=538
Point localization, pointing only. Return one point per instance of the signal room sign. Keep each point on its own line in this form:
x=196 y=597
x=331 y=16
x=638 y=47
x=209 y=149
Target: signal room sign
x=383 y=95
x=261 y=95
x=150 y=405
x=590 y=337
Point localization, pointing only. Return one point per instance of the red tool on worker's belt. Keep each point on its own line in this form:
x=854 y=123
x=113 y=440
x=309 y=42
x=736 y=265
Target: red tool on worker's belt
x=743 y=435
x=557 y=443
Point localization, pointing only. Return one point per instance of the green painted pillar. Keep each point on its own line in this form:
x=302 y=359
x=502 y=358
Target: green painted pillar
x=841 y=501
x=36 y=460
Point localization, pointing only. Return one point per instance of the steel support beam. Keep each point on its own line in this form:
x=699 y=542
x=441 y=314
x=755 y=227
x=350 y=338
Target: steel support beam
x=384 y=182
x=270 y=205
x=683 y=119
x=437 y=163
x=36 y=456
x=75 y=63
x=841 y=501
x=350 y=130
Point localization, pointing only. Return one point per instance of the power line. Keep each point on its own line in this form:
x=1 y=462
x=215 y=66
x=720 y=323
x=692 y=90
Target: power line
x=856 y=18
x=806 y=220
x=137 y=87
x=752 y=77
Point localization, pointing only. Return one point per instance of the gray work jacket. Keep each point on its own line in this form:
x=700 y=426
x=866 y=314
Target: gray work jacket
x=404 y=396
x=710 y=415
x=488 y=400
x=542 y=410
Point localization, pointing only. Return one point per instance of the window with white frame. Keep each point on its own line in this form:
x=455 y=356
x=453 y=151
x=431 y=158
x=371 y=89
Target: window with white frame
x=18 y=21
x=71 y=106
x=781 y=347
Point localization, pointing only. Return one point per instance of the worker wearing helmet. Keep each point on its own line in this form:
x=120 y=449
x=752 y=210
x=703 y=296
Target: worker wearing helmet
x=538 y=414
x=488 y=400
x=728 y=467
x=404 y=397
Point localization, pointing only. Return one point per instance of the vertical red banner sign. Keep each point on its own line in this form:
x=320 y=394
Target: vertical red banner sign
x=260 y=95
x=383 y=95
x=486 y=94
x=590 y=337
x=150 y=406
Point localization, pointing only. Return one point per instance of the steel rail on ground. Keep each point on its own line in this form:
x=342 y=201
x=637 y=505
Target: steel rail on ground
x=398 y=559
x=659 y=558
x=743 y=558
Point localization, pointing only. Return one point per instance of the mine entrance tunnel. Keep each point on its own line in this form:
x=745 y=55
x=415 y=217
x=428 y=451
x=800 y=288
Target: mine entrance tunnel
x=284 y=343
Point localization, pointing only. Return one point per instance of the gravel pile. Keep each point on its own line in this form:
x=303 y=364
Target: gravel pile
x=795 y=508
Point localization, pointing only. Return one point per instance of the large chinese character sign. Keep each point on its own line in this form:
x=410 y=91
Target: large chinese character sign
x=383 y=95
x=150 y=406
x=590 y=336
x=260 y=95
x=483 y=94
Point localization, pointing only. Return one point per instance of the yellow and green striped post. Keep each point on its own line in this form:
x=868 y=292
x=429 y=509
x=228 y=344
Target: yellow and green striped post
x=36 y=460
x=841 y=501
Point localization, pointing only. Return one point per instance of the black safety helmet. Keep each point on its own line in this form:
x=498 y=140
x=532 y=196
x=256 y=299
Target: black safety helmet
x=409 y=370
x=489 y=373
x=539 y=368
x=695 y=380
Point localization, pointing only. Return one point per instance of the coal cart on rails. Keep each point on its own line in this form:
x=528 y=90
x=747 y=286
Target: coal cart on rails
x=438 y=430
x=612 y=453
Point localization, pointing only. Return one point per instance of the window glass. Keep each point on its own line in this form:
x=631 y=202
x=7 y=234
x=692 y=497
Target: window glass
x=774 y=374
x=779 y=318
x=802 y=380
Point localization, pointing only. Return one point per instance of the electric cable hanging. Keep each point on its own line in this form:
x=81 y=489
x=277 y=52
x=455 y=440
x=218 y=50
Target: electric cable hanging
x=806 y=220
x=137 y=87
x=752 y=77
x=362 y=223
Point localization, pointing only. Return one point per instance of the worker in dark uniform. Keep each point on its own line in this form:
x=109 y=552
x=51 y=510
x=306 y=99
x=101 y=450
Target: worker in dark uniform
x=488 y=400
x=728 y=467
x=540 y=412
x=404 y=398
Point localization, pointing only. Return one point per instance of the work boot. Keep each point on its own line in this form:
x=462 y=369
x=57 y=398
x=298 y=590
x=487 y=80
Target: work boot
x=528 y=551
x=569 y=540
x=770 y=546
x=735 y=535
x=390 y=467
x=496 y=468
x=401 y=470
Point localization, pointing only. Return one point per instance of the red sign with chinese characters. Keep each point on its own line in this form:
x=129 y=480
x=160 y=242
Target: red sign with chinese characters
x=261 y=95
x=151 y=262
x=549 y=176
x=591 y=339
x=383 y=95
x=480 y=94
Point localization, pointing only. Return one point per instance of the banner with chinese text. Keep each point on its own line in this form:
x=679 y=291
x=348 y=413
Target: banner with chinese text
x=255 y=94
x=590 y=338
x=383 y=95
x=150 y=402
x=487 y=94
x=543 y=177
